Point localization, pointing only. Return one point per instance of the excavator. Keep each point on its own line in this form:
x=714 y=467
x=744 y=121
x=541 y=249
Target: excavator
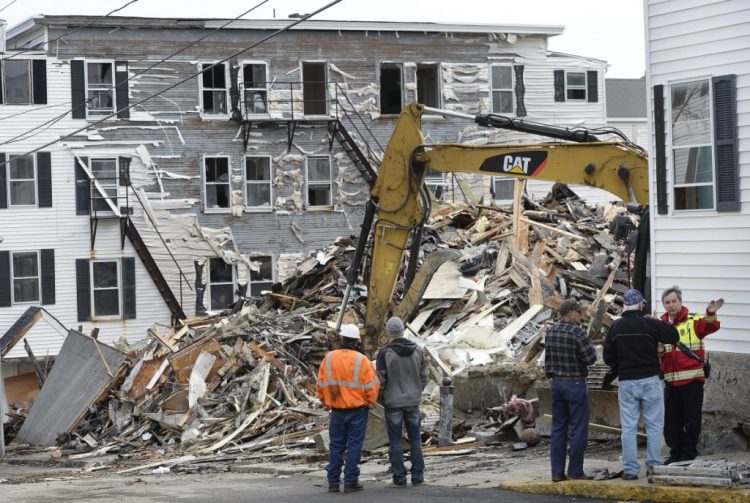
x=399 y=205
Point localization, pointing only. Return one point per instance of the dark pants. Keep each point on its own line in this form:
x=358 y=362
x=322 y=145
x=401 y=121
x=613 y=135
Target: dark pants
x=394 y=420
x=570 y=411
x=346 y=430
x=683 y=411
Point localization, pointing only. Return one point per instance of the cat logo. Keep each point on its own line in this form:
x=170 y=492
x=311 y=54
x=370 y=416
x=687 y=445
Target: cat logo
x=516 y=163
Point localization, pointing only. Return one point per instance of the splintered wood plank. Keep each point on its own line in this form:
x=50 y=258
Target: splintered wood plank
x=182 y=361
x=536 y=296
x=163 y=339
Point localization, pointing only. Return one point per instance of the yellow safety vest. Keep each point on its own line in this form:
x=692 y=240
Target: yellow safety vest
x=691 y=340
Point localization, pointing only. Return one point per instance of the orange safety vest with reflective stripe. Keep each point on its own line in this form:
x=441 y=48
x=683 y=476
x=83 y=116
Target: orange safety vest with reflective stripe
x=678 y=368
x=347 y=380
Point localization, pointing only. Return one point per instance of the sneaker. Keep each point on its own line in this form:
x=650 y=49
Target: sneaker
x=353 y=488
x=396 y=485
x=559 y=478
x=629 y=476
x=582 y=476
x=333 y=489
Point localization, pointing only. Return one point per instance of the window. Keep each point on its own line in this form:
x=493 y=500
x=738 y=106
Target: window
x=17 y=79
x=502 y=89
x=254 y=81
x=220 y=284
x=22 y=180
x=314 y=88
x=258 y=182
x=428 y=85
x=100 y=93
x=318 y=181
x=105 y=172
x=25 y=277
x=105 y=288
x=218 y=190
x=436 y=183
x=502 y=188
x=214 y=89
x=575 y=85
x=263 y=278
x=390 y=88
x=692 y=147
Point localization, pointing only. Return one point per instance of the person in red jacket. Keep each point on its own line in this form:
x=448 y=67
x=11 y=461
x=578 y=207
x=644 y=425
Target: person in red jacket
x=683 y=375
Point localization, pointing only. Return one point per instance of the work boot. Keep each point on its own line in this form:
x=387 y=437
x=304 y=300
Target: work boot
x=353 y=488
x=629 y=476
x=397 y=485
x=582 y=476
x=333 y=489
x=559 y=478
x=671 y=460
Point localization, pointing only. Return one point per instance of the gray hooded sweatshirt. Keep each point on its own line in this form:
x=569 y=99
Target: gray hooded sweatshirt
x=402 y=372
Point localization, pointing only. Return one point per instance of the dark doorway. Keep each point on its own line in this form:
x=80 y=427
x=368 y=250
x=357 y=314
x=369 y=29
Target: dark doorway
x=390 y=88
x=314 y=88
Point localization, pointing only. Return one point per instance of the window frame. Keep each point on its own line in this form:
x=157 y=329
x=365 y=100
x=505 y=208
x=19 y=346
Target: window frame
x=316 y=182
x=206 y=183
x=243 y=89
x=246 y=182
x=671 y=179
x=201 y=89
x=270 y=282
x=210 y=284
x=400 y=66
x=10 y=181
x=432 y=183
x=501 y=89
x=105 y=185
x=93 y=289
x=584 y=86
x=30 y=82
x=13 y=278
x=439 y=83
x=111 y=88
x=505 y=179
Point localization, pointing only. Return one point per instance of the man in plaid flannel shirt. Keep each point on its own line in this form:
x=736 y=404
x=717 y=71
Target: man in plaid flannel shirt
x=567 y=354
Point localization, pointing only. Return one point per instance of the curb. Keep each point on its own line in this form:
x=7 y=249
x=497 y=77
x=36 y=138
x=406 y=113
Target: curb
x=624 y=492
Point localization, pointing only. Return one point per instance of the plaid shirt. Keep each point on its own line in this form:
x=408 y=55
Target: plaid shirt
x=567 y=351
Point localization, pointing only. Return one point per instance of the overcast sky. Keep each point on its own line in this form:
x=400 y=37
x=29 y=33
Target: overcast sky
x=603 y=29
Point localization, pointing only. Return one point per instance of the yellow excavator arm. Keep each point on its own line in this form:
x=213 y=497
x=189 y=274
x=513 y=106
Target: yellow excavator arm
x=400 y=202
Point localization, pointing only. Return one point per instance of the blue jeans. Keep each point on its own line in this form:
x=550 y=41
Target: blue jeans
x=570 y=411
x=394 y=420
x=346 y=431
x=635 y=395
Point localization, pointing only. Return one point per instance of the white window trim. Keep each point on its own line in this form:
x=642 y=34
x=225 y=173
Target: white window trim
x=9 y=180
x=13 y=279
x=246 y=182
x=107 y=184
x=111 y=89
x=324 y=62
x=512 y=89
x=506 y=179
x=433 y=184
x=670 y=177
x=30 y=83
x=585 y=86
x=439 y=69
x=227 y=100
x=316 y=182
x=206 y=209
x=380 y=104
x=211 y=283
x=94 y=316
x=241 y=85
x=254 y=256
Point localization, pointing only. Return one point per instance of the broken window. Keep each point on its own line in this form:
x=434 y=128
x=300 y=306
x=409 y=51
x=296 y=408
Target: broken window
x=502 y=189
x=258 y=182
x=105 y=287
x=262 y=279
x=217 y=190
x=314 y=85
x=502 y=89
x=390 y=88
x=105 y=172
x=214 y=89
x=220 y=284
x=255 y=86
x=25 y=277
x=575 y=85
x=318 y=181
x=22 y=180
x=17 y=79
x=428 y=85
x=436 y=183
x=100 y=93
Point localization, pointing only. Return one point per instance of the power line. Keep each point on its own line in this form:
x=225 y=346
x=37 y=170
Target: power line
x=8 y=5
x=233 y=55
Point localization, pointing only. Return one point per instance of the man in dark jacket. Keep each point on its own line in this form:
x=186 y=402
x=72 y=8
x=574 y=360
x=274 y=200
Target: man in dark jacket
x=403 y=375
x=630 y=349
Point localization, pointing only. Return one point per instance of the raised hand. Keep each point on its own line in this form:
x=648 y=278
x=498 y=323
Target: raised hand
x=714 y=305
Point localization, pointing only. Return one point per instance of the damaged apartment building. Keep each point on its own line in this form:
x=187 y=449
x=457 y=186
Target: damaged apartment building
x=212 y=178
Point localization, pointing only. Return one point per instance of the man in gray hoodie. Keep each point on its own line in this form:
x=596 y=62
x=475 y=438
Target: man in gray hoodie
x=403 y=375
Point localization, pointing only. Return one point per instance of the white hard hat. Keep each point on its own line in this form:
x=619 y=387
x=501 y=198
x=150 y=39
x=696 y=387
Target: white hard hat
x=350 y=332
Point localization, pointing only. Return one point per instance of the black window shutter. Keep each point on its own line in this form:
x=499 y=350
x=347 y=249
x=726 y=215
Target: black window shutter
x=121 y=92
x=83 y=289
x=83 y=188
x=725 y=143
x=2 y=72
x=3 y=182
x=5 y=298
x=559 y=85
x=48 y=276
x=39 y=79
x=128 y=287
x=44 y=181
x=123 y=165
x=592 y=84
x=661 y=156
x=520 y=90
x=78 y=88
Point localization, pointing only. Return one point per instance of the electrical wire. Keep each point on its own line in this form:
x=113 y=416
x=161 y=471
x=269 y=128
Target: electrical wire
x=8 y=5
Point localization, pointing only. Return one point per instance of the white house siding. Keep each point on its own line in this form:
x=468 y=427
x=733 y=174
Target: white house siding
x=59 y=228
x=705 y=252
